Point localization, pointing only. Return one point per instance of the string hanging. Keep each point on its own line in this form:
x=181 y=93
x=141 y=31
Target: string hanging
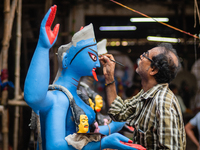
x=177 y=29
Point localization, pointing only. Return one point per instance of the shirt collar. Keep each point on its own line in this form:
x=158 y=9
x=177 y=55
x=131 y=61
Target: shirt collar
x=151 y=92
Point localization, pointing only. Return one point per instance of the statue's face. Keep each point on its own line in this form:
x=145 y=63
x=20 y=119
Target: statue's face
x=83 y=126
x=99 y=103
x=91 y=104
x=84 y=58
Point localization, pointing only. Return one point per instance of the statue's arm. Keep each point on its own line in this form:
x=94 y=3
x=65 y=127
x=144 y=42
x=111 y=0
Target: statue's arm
x=111 y=128
x=37 y=79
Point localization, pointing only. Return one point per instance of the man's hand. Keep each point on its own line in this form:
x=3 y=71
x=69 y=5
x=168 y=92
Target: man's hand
x=108 y=67
x=48 y=37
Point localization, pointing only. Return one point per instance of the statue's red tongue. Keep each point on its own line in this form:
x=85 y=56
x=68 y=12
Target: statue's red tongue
x=94 y=74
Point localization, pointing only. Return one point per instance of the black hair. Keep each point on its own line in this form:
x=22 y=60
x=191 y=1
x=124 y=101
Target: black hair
x=167 y=69
x=172 y=86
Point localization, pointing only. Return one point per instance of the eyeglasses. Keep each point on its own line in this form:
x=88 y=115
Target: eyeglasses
x=144 y=55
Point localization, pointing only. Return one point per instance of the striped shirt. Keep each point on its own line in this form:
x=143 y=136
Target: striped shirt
x=156 y=117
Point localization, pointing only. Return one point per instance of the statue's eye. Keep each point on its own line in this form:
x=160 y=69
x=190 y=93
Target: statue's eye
x=93 y=56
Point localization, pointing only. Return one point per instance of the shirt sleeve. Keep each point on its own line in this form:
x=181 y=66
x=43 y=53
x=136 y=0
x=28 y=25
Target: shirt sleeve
x=194 y=120
x=121 y=110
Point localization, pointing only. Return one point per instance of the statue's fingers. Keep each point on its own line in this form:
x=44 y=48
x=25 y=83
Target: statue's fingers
x=51 y=16
x=56 y=29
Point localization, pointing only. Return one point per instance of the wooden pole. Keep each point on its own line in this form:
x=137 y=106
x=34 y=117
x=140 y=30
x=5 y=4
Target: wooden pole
x=17 y=72
x=8 y=22
x=48 y=4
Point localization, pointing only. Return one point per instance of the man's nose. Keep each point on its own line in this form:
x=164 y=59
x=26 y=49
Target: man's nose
x=141 y=56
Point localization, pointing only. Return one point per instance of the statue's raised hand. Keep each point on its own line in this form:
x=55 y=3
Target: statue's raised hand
x=48 y=37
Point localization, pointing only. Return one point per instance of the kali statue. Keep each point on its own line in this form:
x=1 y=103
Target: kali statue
x=63 y=114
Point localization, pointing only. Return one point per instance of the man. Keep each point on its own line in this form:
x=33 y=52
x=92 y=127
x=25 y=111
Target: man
x=193 y=123
x=154 y=112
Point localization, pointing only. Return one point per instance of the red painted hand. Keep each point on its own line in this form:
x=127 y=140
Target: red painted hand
x=52 y=34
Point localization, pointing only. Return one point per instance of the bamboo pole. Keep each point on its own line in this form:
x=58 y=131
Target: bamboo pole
x=8 y=22
x=48 y=4
x=17 y=103
x=17 y=73
x=5 y=128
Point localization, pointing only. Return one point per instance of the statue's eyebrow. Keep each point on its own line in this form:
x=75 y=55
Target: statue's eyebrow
x=93 y=51
x=80 y=51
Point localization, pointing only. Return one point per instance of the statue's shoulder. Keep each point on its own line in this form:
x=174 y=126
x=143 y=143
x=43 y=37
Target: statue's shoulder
x=60 y=94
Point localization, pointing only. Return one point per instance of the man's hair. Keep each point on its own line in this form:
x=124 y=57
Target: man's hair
x=167 y=68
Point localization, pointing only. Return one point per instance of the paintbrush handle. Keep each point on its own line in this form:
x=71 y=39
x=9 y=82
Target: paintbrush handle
x=117 y=62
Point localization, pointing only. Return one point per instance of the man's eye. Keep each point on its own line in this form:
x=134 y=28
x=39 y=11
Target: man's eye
x=92 y=56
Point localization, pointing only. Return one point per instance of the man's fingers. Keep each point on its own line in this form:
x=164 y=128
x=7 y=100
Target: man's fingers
x=106 y=58
x=102 y=60
x=110 y=56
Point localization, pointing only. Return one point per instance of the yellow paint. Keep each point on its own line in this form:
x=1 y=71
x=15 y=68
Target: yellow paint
x=83 y=126
x=91 y=104
x=98 y=103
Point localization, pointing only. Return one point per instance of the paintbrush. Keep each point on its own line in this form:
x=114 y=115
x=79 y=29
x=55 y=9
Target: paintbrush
x=113 y=61
x=117 y=62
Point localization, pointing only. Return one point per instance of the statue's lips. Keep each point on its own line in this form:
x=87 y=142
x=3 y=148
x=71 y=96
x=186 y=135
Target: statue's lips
x=94 y=74
x=86 y=126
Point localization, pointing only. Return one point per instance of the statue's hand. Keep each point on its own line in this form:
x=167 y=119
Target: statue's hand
x=48 y=37
x=114 y=141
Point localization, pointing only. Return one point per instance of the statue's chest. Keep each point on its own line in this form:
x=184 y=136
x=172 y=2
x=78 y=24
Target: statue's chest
x=70 y=121
x=87 y=109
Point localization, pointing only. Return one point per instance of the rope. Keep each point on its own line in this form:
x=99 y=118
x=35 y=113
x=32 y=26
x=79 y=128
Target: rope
x=177 y=29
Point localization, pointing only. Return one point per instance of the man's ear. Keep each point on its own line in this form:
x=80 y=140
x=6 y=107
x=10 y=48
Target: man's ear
x=154 y=70
x=65 y=60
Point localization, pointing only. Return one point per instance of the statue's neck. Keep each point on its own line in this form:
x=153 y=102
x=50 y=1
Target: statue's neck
x=69 y=80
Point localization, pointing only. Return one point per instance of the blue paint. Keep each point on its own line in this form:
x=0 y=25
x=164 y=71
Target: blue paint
x=53 y=106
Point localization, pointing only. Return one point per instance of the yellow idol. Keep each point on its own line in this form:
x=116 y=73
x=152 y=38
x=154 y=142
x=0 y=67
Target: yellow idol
x=83 y=126
x=98 y=103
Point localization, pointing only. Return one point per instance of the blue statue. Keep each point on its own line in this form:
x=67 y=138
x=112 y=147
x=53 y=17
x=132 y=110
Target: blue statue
x=54 y=104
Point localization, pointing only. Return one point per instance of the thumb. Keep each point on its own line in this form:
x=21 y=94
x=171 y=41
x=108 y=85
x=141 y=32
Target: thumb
x=56 y=29
x=124 y=139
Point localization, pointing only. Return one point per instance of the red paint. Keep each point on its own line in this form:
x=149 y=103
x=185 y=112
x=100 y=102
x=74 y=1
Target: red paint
x=130 y=141
x=75 y=80
x=74 y=84
x=98 y=110
x=4 y=74
x=94 y=75
x=137 y=146
x=51 y=34
x=131 y=128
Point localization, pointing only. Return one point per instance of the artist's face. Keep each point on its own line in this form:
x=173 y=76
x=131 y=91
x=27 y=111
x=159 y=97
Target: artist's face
x=145 y=61
x=86 y=60
x=99 y=103
x=83 y=126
